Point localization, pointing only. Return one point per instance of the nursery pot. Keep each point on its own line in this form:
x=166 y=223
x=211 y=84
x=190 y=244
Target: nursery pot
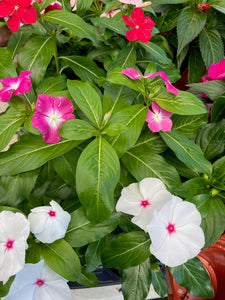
x=5 y=34
x=213 y=259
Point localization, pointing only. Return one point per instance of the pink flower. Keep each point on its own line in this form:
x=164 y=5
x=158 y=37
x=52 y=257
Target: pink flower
x=133 y=74
x=216 y=72
x=18 y=11
x=137 y=3
x=73 y=4
x=159 y=119
x=56 y=5
x=140 y=25
x=50 y=114
x=15 y=85
x=110 y=13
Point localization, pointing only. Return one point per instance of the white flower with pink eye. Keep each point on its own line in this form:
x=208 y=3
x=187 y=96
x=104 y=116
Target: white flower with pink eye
x=15 y=85
x=110 y=13
x=142 y=199
x=73 y=4
x=38 y=282
x=137 y=3
x=159 y=118
x=14 y=231
x=51 y=113
x=175 y=232
x=49 y=223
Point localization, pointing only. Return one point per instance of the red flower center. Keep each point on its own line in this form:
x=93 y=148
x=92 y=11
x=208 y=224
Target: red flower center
x=52 y=213
x=9 y=244
x=145 y=203
x=171 y=228
x=39 y=282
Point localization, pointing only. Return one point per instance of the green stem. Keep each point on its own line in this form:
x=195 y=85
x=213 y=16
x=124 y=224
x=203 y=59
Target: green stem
x=25 y=102
x=56 y=59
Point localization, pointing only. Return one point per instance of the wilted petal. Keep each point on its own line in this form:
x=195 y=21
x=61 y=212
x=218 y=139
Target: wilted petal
x=132 y=73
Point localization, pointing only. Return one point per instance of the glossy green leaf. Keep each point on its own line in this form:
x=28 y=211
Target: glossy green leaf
x=77 y=129
x=201 y=202
x=87 y=279
x=213 y=89
x=195 y=65
x=159 y=2
x=93 y=255
x=7 y=66
x=87 y=99
x=84 y=5
x=187 y=151
x=219 y=169
x=126 y=59
x=193 y=276
x=51 y=85
x=81 y=231
x=218 y=5
x=127 y=250
x=62 y=259
x=72 y=21
x=133 y=118
x=146 y=164
x=83 y=67
x=183 y=104
x=190 y=24
x=4 y=289
x=211 y=46
x=31 y=153
x=136 y=281
x=158 y=280
x=98 y=171
x=194 y=186
x=157 y=52
x=10 y=122
x=111 y=24
x=35 y=56
x=17 y=41
x=218 y=109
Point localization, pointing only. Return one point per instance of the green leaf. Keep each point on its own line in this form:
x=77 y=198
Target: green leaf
x=158 y=280
x=189 y=125
x=193 y=276
x=51 y=85
x=44 y=4
x=195 y=65
x=14 y=189
x=136 y=281
x=77 y=129
x=211 y=46
x=17 y=41
x=73 y=22
x=81 y=231
x=201 y=202
x=219 y=169
x=157 y=52
x=183 y=104
x=114 y=129
x=111 y=24
x=62 y=259
x=128 y=250
x=84 y=5
x=98 y=171
x=142 y=164
x=187 y=151
x=93 y=255
x=7 y=66
x=213 y=89
x=211 y=139
x=35 y=56
x=213 y=223
x=31 y=153
x=194 y=186
x=190 y=24
x=83 y=67
x=218 y=109
x=87 y=99
x=218 y=5
x=10 y=122
x=133 y=118
x=4 y=289
x=87 y=279
x=126 y=58
x=159 y=2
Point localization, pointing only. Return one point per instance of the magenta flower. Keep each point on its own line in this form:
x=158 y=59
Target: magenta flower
x=50 y=114
x=133 y=74
x=159 y=119
x=18 y=11
x=141 y=26
x=15 y=85
x=216 y=72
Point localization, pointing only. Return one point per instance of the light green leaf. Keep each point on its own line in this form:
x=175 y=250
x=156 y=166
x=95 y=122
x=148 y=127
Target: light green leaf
x=98 y=171
x=126 y=59
x=111 y=24
x=192 y=187
x=159 y=2
x=93 y=255
x=213 y=89
x=7 y=66
x=127 y=250
x=52 y=85
x=187 y=151
x=218 y=5
x=17 y=41
x=190 y=24
x=87 y=279
x=77 y=129
x=158 y=280
x=157 y=52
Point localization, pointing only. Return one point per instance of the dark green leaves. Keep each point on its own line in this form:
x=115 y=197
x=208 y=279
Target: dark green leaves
x=98 y=171
x=194 y=278
x=130 y=249
x=7 y=66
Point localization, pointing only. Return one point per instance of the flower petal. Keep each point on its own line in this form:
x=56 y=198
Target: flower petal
x=5 y=94
x=128 y=21
x=5 y=9
x=184 y=212
x=25 y=83
x=150 y=186
x=14 y=21
x=150 y=116
x=63 y=105
x=154 y=126
x=166 y=124
x=137 y=15
x=132 y=35
x=132 y=73
x=143 y=35
x=155 y=107
x=28 y=15
x=44 y=104
x=147 y=24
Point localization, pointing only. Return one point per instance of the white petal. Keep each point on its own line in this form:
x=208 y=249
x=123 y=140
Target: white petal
x=24 y=293
x=38 y=221
x=41 y=209
x=55 y=206
x=129 y=202
x=57 y=290
x=150 y=186
x=166 y=212
x=186 y=212
x=49 y=275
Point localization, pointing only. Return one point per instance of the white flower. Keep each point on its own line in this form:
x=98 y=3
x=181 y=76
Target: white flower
x=175 y=232
x=38 y=282
x=142 y=199
x=137 y=3
x=14 y=231
x=73 y=4
x=49 y=223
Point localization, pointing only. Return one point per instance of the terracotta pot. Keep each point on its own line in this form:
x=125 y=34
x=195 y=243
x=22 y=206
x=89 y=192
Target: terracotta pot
x=5 y=34
x=213 y=259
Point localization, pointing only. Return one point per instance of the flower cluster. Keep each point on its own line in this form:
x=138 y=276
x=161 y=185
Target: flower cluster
x=173 y=224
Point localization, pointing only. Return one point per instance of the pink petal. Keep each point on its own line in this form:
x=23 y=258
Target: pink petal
x=154 y=126
x=166 y=124
x=14 y=21
x=25 y=84
x=155 y=107
x=163 y=76
x=63 y=105
x=24 y=3
x=128 y=21
x=132 y=73
x=137 y=15
x=206 y=78
x=10 y=81
x=5 y=94
x=149 y=116
x=132 y=35
x=5 y=9
x=148 y=24
x=171 y=88
x=44 y=104
x=165 y=114
x=28 y=15
x=144 y=36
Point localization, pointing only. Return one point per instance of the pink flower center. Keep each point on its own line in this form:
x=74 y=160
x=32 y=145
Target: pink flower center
x=39 y=282
x=145 y=203
x=171 y=228
x=9 y=244
x=52 y=213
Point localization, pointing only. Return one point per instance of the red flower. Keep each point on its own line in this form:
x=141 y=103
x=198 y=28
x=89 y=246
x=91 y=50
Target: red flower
x=20 y=11
x=204 y=6
x=140 y=25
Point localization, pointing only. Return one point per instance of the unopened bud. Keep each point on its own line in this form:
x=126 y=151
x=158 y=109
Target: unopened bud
x=146 y=4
